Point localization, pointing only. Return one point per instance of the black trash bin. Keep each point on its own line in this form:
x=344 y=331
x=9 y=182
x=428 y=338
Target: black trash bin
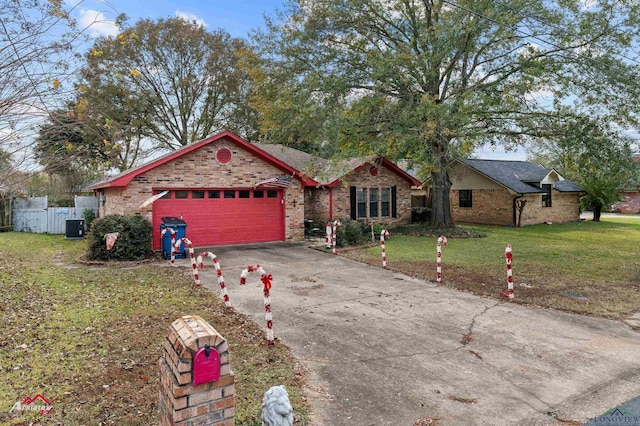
x=180 y=228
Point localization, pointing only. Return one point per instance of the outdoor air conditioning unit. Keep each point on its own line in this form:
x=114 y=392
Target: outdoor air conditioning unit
x=74 y=229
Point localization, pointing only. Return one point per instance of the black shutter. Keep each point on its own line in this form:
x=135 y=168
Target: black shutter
x=354 y=205
x=394 y=209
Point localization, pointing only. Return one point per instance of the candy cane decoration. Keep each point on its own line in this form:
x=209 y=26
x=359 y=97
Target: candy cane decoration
x=442 y=241
x=383 y=233
x=266 y=281
x=173 y=241
x=192 y=255
x=216 y=265
x=336 y=225
x=327 y=233
x=509 y=257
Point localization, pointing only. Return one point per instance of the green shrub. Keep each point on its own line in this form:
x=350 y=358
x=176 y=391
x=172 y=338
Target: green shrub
x=353 y=233
x=89 y=216
x=424 y=230
x=133 y=243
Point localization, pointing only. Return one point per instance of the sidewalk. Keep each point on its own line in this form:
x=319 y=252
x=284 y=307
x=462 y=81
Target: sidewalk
x=589 y=216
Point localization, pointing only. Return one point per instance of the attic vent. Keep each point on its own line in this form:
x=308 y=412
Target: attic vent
x=223 y=155
x=373 y=171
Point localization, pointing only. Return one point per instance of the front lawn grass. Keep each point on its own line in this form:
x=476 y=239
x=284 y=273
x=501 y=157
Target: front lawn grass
x=88 y=338
x=597 y=260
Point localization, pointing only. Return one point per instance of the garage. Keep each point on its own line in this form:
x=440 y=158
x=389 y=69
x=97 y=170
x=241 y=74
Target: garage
x=226 y=189
x=223 y=216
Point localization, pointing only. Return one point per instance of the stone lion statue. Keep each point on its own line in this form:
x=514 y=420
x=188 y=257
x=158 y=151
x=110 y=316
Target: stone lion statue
x=276 y=408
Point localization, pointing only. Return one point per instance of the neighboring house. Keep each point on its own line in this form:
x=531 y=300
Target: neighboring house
x=630 y=198
x=490 y=191
x=629 y=203
x=211 y=185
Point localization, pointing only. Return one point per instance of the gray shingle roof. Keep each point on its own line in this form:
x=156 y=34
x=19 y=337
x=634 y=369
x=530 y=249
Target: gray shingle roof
x=322 y=170
x=299 y=160
x=568 y=186
x=336 y=169
x=516 y=175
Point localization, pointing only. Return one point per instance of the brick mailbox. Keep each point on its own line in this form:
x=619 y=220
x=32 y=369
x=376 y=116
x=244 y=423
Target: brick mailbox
x=196 y=382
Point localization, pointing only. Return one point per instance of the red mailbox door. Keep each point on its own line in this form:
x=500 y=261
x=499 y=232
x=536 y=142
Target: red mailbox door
x=206 y=365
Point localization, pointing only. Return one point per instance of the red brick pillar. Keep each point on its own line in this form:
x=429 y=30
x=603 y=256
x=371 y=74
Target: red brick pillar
x=181 y=402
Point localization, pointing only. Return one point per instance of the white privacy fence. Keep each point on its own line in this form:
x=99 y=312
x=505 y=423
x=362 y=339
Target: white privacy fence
x=33 y=215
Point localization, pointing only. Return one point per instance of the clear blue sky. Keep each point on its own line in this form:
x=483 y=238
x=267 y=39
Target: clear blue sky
x=237 y=17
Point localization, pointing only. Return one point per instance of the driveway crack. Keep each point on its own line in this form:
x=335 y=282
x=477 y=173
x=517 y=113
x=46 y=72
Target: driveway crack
x=468 y=336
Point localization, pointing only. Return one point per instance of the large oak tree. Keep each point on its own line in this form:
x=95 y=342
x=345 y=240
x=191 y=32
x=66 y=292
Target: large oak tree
x=175 y=82
x=430 y=80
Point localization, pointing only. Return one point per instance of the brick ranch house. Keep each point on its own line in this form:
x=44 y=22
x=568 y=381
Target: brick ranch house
x=487 y=191
x=211 y=185
x=629 y=203
x=630 y=197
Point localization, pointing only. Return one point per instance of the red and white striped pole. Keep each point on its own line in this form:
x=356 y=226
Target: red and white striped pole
x=442 y=241
x=509 y=257
x=216 y=265
x=266 y=282
x=192 y=255
x=173 y=241
x=327 y=233
x=383 y=233
x=336 y=225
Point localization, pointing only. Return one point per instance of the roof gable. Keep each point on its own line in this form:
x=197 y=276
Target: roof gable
x=334 y=172
x=305 y=167
x=327 y=172
x=521 y=177
x=124 y=178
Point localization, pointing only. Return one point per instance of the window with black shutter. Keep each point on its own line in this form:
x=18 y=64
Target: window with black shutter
x=394 y=200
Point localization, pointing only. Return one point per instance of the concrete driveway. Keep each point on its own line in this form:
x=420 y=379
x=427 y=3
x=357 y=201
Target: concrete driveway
x=387 y=349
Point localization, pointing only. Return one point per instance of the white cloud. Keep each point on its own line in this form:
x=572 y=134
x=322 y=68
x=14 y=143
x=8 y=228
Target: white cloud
x=190 y=17
x=496 y=152
x=97 y=24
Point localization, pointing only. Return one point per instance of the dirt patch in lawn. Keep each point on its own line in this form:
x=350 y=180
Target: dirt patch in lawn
x=539 y=288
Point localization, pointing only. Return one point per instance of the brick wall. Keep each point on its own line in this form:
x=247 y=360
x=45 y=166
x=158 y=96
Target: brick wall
x=200 y=169
x=180 y=402
x=113 y=202
x=318 y=200
x=316 y=205
x=490 y=206
x=564 y=208
x=630 y=203
x=495 y=207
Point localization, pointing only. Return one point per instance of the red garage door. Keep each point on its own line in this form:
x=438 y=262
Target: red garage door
x=223 y=216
